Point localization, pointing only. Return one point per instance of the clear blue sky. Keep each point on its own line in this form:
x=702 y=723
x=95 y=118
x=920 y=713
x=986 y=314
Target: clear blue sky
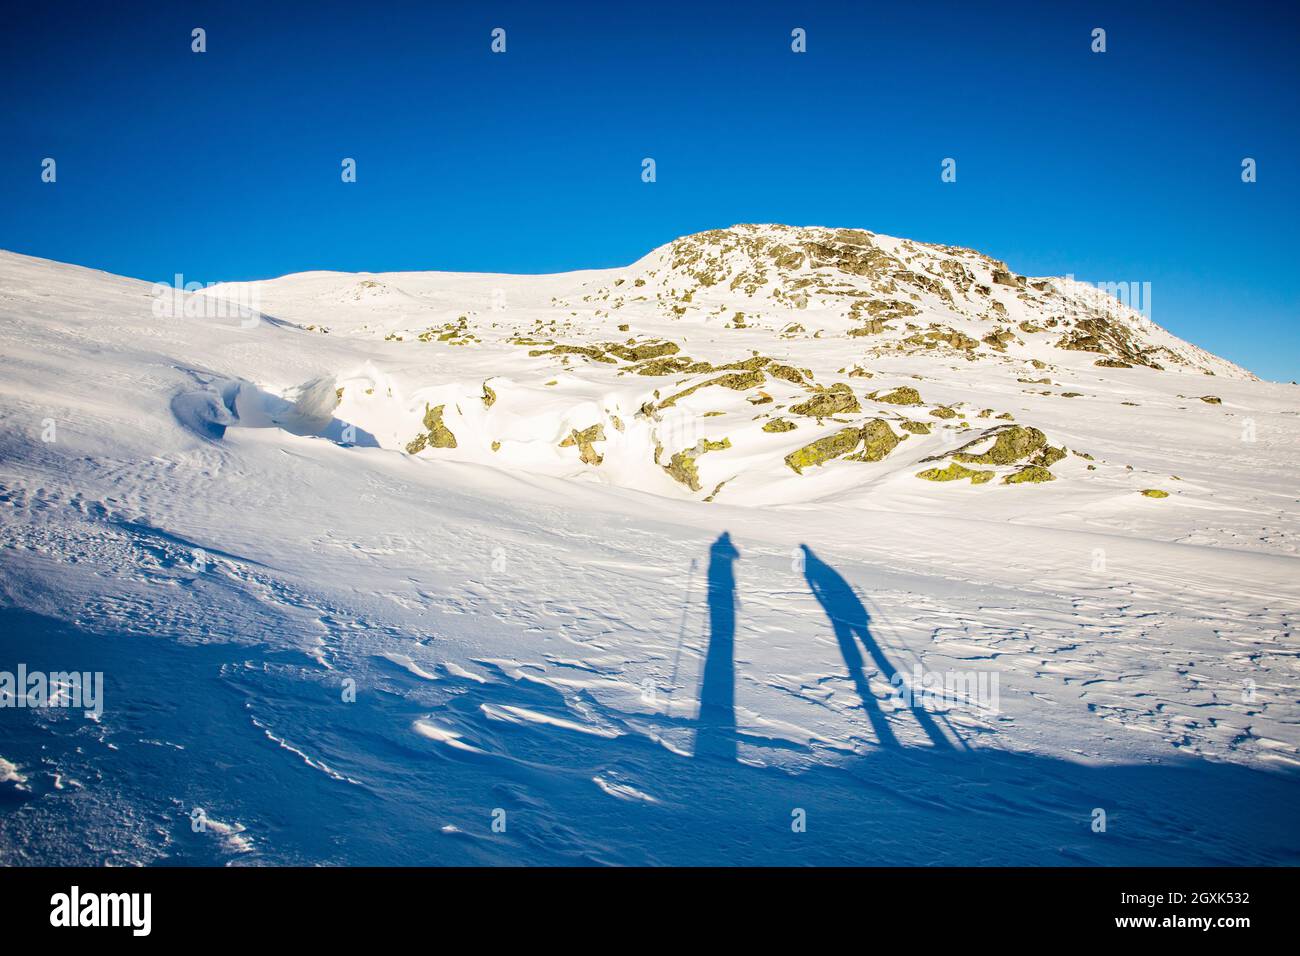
x=1122 y=166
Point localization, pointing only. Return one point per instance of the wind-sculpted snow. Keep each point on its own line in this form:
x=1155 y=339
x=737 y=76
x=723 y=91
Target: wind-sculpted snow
x=608 y=620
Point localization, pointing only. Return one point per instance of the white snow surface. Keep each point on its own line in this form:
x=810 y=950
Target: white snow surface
x=192 y=505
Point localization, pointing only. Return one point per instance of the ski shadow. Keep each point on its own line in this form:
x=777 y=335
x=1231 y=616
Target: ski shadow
x=852 y=625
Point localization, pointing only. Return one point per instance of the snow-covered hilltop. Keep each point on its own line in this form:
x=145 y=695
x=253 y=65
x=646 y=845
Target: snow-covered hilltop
x=491 y=501
x=728 y=362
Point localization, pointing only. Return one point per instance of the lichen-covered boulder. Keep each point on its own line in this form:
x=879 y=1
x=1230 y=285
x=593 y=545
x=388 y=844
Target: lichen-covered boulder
x=903 y=395
x=1049 y=456
x=787 y=372
x=1029 y=474
x=587 y=454
x=1012 y=443
x=916 y=428
x=955 y=472
x=436 y=435
x=943 y=411
x=681 y=467
x=824 y=402
x=779 y=425
x=737 y=381
x=878 y=441
x=824 y=449
x=643 y=351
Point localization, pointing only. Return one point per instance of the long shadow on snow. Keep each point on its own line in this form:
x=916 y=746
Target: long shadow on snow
x=263 y=740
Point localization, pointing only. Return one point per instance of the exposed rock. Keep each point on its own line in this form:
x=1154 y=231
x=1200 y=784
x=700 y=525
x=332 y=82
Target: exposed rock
x=824 y=402
x=738 y=381
x=643 y=351
x=437 y=435
x=903 y=395
x=489 y=396
x=1208 y=399
x=1155 y=493
x=916 y=428
x=824 y=449
x=878 y=441
x=583 y=439
x=1048 y=456
x=955 y=472
x=682 y=467
x=787 y=372
x=1029 y=473
x=1100 y=334
x=1012 y=443
x=779 y=425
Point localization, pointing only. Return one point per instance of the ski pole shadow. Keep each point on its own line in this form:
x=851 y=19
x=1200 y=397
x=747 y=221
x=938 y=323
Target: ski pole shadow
x=715 y=734
x=852 y=623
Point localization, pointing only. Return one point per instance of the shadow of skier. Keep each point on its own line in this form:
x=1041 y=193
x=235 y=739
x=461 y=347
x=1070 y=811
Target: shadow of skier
x=715 y=734
x=851 y=622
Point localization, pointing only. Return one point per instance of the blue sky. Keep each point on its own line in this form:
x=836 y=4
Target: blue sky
x=1122 y=166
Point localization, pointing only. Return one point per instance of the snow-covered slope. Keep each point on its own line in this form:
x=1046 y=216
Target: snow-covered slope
x=633 y=555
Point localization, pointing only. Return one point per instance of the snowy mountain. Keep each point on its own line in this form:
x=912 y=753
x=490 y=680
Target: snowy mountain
x=646 y=559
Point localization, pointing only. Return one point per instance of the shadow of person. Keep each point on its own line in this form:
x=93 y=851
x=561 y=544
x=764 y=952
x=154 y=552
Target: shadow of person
x=715 y=734
x=850 y=621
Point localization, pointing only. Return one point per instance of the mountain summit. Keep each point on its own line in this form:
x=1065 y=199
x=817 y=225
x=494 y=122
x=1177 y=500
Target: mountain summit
x=758 y=364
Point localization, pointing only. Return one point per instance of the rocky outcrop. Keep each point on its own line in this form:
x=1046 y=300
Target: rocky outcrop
x=824 y=402
x=587 y=454
x=435 y=435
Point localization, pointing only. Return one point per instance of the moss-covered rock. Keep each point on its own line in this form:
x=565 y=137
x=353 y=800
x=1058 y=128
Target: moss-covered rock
x=751 y=364
x=903 y=395
x=1012 y=443
x=779 y=425
x=916 y=428
x=593 y=352
x=436 y=435
x=824 y=449
x=642 y=351
x=1029 y=474
x=738 y=381
x=787 y=372
x=587 y=454
x=955 y=472
x=943 y=411
x=878 y=441
x=824 y=402
x=681 y=467
x=1049 y=456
